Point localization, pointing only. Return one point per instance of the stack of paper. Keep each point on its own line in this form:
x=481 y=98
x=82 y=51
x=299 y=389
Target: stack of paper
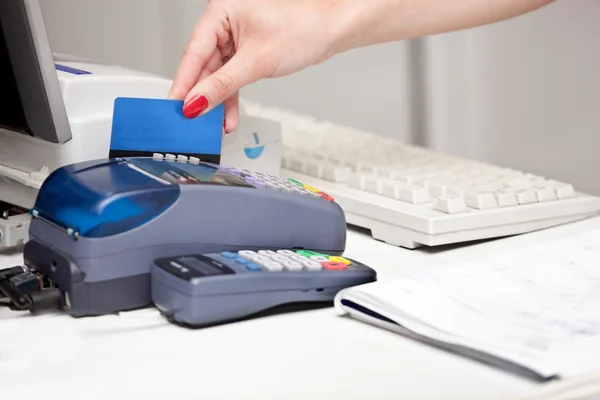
x=534 y=310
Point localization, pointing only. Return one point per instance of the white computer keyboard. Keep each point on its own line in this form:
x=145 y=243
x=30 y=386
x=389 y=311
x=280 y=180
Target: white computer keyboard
x=411 y=196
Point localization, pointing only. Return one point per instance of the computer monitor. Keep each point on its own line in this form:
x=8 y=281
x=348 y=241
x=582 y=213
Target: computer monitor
x=30 y=94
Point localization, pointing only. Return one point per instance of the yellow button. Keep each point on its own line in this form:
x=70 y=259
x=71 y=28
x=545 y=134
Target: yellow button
x=312 y=189
x=339 y=259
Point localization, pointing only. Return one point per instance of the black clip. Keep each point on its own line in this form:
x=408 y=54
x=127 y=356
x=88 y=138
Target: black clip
x=25 y=291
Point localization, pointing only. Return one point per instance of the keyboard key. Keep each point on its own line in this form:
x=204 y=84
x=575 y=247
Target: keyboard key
x=357 y=181
x=373 y=184
x=230 y=255
x=414 y=194
x=527 y=197
x=546 y=194
x=563 y=190
x=437 y=190
x=518 y=184
x=451 y=205
x=507 y=199
x=482 y=201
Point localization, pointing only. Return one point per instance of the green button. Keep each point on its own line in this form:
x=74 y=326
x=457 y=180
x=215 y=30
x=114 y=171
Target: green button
x=295 y=182
x=308 y=253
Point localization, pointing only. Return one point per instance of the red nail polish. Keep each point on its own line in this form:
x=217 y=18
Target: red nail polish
x=195 y=106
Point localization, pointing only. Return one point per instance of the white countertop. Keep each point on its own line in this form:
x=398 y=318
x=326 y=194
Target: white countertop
x=312 y=354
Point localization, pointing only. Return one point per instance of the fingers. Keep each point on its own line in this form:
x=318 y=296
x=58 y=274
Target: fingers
x=212 y=65
x=232 y=113
x=198 y=52
x=241 y=70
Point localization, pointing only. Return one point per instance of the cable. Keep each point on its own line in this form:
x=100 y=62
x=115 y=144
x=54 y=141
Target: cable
x=12 y=271
x=25 y=291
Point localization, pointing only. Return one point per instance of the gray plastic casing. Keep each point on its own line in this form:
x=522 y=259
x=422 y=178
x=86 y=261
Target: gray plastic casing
x=111 y=274
x=218 y=299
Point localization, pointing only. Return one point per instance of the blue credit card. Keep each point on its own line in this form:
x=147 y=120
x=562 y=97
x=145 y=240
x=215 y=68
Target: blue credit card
x=142 y=127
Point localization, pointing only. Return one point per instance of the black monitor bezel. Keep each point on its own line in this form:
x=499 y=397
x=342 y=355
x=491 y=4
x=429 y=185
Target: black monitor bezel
x=34 y=71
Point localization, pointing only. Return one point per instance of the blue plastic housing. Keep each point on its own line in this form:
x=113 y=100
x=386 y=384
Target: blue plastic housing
x=94 y=201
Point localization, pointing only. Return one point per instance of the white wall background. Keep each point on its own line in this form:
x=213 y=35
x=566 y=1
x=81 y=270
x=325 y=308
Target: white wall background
x=367 y=88
x=523 y=93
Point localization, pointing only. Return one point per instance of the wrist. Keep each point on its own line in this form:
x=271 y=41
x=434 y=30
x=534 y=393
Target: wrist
x=353 y=23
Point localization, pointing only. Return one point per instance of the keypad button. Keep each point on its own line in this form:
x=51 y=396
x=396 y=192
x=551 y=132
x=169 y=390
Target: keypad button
x=311 y=265
x=260 y=259
x=253 y=267
x=247 y=253
x=326 y=197
x=279 y=258
x=334 y=266
x=286 y=252
x=228 y=254
x=241 y=260
x=309 y=253
x=338 y=259
x=297 y=258
x=291 y=265
x=266 y=252
x=319 y=258
x=272 y=265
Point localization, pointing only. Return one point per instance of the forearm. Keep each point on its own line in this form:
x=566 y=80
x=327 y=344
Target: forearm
x=367 y=22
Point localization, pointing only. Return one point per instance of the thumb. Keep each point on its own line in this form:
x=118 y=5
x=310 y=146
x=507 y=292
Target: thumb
x=213 y=90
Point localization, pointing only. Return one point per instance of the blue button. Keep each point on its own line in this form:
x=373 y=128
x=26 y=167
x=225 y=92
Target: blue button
x=228 y=254
x=242 y=260
x=253 y=267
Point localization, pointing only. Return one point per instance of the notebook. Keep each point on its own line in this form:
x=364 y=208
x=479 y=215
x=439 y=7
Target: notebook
x=532 y=310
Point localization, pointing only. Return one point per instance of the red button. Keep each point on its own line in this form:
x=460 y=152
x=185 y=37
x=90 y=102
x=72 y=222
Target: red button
x=334 y=266
x=326 y=196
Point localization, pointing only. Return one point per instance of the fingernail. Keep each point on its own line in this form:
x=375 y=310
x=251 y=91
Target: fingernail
x=225 y=125
x=195 y=106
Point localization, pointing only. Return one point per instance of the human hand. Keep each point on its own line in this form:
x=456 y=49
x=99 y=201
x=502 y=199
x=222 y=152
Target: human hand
x=238 y=42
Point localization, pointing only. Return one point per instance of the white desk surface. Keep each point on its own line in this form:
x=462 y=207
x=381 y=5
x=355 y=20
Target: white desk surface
x=312 y=354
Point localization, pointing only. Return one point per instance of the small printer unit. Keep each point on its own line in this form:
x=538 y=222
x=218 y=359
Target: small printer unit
x=98 y=226
x=60 y=112
x=54 y=112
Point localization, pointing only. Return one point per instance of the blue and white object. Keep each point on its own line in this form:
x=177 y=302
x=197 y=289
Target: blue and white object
x=255 y=145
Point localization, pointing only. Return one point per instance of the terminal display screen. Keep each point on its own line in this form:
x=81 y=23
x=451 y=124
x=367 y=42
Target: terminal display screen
x=187 y=174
